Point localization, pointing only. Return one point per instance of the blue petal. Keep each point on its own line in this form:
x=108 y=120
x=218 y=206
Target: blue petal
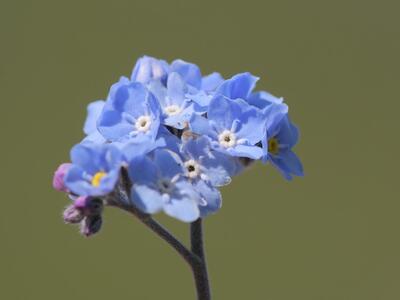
x=190 y=72
x=218 y=171
x=224 y=112
x=176 y=89
x=112 y=126
x=288 y=134
x=159 y=91
x=142 y=170
x=75 y=182
x=201 y=125
x=274 y=115
x=168 y=163
x=84 y=157
x=94 y=110
x=239 y=86
x=253 y=125
x=202 y=99
x=141 y=146
x=252 y=152
x=263 y=99
x=211 y=195
x=196 y=148
x=288 y=163
x=149 y=68
x=95 y=137
x=184 y=209
x=211 y=82
x=146 y=198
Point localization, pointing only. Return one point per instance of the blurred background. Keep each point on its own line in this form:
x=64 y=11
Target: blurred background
x=333 y=234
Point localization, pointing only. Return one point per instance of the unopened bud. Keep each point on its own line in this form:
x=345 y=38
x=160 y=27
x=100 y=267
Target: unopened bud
x=58 y=179
x=72 y=215
x=89 y=206
x=91 y=225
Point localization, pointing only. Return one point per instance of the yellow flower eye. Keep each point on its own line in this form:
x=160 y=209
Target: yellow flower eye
x=97 y=178
x=273 y=146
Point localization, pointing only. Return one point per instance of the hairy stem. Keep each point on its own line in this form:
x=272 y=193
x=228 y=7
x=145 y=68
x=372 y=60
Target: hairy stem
x=199 y=270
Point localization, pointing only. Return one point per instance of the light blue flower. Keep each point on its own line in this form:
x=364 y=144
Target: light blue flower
x=149 y=68
x=159 y=185
x=131 y=112
x=206 y=170
x=233 y=126
x=177 y=108
x=94 y=171
x=283 y=135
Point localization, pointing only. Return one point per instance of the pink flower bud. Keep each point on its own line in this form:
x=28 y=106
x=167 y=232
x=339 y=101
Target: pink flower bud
x=58 y=179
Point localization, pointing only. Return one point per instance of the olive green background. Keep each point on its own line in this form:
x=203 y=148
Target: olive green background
x=333 y=234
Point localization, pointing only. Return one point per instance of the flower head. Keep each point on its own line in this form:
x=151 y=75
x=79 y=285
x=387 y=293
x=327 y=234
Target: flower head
x=206 y=170
x=130 y=113
x=233 y=127
x=158 y=185
x=94 y=171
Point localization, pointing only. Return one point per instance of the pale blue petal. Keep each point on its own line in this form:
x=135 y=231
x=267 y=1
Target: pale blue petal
x=239 y=86
x=146 y=198
x=143 y=170
x=148 y=68
x=211 y=81
x=224 y=112
x=168 y=163
x=263 y=99
x=210 y=195
x=190 y=72
x=84 y=157
x=252 y=152
x=201 y=125
x=94 y=110
x=184 y=209
x=253 y=126
x=140 y=147
x=288 y=163
x=176 y=89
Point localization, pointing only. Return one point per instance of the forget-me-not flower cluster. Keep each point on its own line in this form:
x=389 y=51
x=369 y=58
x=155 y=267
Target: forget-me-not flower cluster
x=180 y=136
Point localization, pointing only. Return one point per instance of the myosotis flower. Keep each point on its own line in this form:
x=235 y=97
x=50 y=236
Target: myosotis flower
x=165 y=140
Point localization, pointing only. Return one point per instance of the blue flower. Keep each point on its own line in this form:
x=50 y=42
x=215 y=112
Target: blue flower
x=158 y=185
x=131 y=112
x=282 y=137
x=94 y=171
x=233 y=126
x=94 y=110
x=206 y=170
x=149 y=68
x=176 y=107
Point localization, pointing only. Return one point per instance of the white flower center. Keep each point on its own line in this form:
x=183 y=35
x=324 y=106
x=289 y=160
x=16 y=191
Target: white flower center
x=227 y=139
x=193 y=168
x=172 y=110
x=143 y=123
